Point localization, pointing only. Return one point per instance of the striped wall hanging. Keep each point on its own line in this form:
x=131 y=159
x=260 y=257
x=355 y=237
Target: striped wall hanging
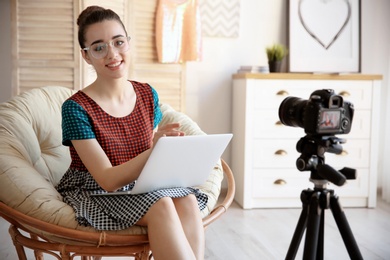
x=220 y=18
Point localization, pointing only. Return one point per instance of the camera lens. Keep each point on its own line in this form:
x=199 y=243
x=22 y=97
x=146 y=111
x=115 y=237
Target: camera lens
x=291 y=111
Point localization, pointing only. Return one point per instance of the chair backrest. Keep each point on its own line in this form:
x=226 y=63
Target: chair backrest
x=30 y=132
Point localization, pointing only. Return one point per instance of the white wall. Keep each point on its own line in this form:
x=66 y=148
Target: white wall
x=262 y=23
x=376 y=60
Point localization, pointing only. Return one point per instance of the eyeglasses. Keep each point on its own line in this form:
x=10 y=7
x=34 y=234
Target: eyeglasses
x=99 y=50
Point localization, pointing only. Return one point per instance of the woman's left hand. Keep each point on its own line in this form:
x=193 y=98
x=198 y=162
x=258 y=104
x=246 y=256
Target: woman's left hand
x=171 y=129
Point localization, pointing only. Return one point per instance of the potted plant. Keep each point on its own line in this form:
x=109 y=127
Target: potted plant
x=275 y=55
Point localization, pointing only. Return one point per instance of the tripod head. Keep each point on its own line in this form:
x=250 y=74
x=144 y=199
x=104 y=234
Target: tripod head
x=312 y=158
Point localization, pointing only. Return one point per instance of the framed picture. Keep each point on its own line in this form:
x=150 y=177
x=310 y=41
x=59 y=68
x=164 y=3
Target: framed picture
x=324 y=36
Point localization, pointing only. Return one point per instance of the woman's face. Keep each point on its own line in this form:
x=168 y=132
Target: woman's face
x=115 y=63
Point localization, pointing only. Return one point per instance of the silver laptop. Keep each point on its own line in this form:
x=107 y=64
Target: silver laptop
x=183 y=161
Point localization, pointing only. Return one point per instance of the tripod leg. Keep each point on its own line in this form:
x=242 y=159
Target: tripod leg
x=313 y=227
x=320 y=244
x=344 y=228
x=297 y=237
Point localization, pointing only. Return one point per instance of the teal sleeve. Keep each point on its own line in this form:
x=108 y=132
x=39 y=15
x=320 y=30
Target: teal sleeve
x=75 y=123
x=157 y=111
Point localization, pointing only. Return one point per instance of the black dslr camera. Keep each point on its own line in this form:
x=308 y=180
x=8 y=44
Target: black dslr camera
x=325 y=113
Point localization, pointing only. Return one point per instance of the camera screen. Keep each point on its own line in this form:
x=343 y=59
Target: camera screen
x=329 y=120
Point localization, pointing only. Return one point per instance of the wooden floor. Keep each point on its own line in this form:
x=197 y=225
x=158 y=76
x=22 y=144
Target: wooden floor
x=267 y=233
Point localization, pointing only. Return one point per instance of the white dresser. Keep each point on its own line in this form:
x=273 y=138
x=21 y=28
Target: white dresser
x=264 y=150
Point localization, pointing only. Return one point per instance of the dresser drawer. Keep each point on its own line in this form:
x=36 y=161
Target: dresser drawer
x=356 y=154
x=279 y=184
x=354 y=188
x=271 y=94
x=281 y=153
x=278 y=153
x=266 y=124
x=290 y=183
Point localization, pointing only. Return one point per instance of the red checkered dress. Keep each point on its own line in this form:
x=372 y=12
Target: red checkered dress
x=122 y=139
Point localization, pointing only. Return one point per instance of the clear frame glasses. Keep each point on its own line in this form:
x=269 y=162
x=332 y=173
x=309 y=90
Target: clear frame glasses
x=100 y=50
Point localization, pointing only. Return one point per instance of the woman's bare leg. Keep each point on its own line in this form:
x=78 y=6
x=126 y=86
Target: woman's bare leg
x=166 y=234
x=188 y=210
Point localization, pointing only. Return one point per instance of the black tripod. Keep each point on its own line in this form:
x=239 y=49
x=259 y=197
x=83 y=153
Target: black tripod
x=315 y=201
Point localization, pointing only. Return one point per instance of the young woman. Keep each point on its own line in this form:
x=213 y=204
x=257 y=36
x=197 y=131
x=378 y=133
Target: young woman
x=110 y=127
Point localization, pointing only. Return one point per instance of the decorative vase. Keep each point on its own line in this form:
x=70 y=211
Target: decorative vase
x=275 y=66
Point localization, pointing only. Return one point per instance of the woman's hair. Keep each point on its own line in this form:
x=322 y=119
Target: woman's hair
x=94 y=14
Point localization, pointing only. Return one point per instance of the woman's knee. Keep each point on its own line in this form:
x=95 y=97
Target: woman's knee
x=188 y=203
x=163 y=208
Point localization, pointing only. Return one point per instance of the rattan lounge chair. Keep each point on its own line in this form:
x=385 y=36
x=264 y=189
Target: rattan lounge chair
x=32 y=161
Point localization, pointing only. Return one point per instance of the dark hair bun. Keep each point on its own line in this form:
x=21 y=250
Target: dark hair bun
x=94 y=14
x=87 y=12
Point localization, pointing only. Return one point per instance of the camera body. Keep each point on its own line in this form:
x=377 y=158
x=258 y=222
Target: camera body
x=325 y=113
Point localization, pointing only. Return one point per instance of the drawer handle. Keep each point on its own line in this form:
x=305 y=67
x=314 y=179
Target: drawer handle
x=280 y=182
x=344 y=93
x=281 y=152
x=343 y=153
x=278 y=123
x=282 y=93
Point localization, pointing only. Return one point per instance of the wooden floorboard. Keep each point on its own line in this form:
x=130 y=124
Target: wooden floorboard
x=267 y=233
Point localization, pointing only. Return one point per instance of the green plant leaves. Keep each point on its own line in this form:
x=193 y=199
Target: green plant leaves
x=276 y=52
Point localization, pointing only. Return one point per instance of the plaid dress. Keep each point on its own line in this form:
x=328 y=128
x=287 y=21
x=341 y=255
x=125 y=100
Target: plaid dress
x=122 y=138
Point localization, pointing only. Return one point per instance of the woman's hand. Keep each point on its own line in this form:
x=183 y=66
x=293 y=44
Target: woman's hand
x=167 y=130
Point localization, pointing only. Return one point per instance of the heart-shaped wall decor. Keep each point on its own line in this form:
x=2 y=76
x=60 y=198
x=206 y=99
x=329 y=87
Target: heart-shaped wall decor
x=324 y=20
